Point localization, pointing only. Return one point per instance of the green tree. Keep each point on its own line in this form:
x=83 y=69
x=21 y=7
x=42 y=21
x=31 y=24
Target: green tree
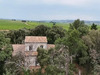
x=80 y=26
x=51 y=33
x=77 y=23
x=39 y=30
x=18 y=36
x=77 y=48
x=93 y=26
x=5 y=51
x=54 y=23
x=54 y=33
x=54 y=61
x=92 y=40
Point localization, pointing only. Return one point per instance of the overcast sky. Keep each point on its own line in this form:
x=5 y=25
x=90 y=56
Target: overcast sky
x=50 y=9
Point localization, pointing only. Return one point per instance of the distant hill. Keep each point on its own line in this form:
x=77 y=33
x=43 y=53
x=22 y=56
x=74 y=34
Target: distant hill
x=57 y=21
x=71 y=21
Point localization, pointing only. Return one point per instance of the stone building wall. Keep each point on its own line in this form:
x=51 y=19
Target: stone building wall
x=34 y=46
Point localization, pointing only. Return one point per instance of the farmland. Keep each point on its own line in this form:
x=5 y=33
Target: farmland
x=15 y=25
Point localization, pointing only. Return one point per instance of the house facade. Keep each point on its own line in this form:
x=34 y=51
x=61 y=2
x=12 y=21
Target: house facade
x=32 y=43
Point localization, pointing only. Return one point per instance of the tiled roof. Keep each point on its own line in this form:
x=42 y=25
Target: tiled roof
x=50 y=46
x=35 y=39
x=31 y=53
x=18 y=48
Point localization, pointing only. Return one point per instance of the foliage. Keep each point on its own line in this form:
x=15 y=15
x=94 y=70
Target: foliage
x=92 y=40
x=94 y=26
x=54 y=33
x=54 y=23
x=39 y=30
x=18 y=36
x=51 y=33
x=80 y=26
x=43 y=55
x=5 y=51
x=76 y=46
x=72 y=69
x=54 y=60
x=26 y=72
x=8 y=72
x=76 y=24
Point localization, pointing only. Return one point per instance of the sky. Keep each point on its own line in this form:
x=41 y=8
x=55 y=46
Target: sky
x=50 y=9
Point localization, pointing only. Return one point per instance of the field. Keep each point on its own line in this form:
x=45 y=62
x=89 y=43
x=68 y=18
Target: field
x=14 y=25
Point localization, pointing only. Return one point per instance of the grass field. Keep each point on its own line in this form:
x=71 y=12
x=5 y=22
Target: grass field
x=14 y=25
x=64 y=25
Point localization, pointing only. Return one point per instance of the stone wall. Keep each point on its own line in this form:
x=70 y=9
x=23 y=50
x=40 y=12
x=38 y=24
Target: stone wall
x=34 y=46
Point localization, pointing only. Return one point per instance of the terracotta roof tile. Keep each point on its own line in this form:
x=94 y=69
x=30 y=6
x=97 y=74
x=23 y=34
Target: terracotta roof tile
x=18 y=48
x=31 y=53
x=50 y=46
x=35 y=39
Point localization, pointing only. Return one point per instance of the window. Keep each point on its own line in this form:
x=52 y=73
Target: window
x=30 y=48
x=41 y=46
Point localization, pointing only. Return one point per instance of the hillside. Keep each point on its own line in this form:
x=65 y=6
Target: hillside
x=14 y=25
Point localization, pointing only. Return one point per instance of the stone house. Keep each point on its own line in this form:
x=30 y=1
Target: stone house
x=30 y=48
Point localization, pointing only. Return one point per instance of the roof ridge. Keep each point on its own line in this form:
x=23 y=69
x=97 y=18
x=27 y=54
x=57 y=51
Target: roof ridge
x=18 y=44
x=35 y=36
x=35 y=39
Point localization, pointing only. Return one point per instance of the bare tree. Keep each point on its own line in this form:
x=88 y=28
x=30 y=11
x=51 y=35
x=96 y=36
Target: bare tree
x=18 y=63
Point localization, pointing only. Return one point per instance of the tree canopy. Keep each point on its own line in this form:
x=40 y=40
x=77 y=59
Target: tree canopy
x=93 y=26
x=5 y=51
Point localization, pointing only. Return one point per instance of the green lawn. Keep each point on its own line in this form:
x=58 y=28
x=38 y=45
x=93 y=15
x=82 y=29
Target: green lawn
x=14 y=25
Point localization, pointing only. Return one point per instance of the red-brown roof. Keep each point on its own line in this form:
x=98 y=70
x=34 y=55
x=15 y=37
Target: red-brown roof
x=50 y=46
x=35 y=39
x=31 y=53
x=18 y=48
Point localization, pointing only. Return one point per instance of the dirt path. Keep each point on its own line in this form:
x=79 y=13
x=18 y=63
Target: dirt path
x=4 y=30
x=26 y=23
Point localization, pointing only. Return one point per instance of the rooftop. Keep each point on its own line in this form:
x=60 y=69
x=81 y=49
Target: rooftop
x=18 y=48
x=36 y=39
x=50 y=46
